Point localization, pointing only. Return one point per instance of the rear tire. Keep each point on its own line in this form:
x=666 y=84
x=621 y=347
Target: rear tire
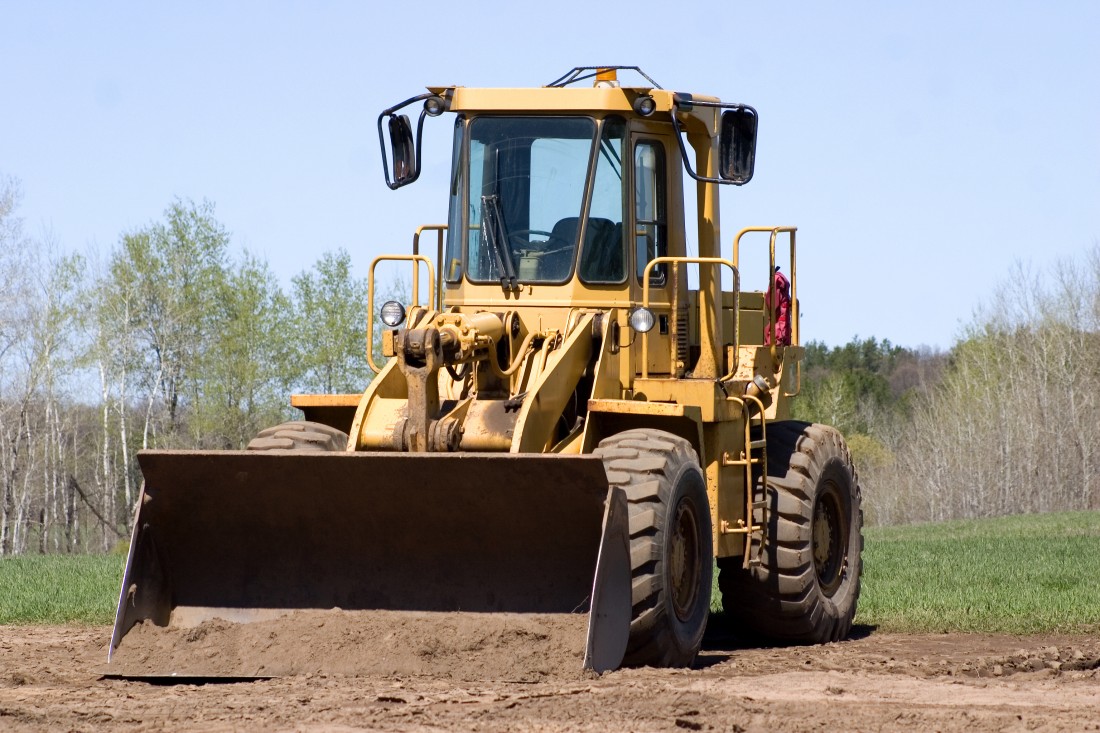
x=300 y=435
x=671 y=551
x=806 y=588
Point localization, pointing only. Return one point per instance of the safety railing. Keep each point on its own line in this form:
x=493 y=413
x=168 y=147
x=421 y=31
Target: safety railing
x=675 y=304
x=416 y=259
x=440 y=230
x=772 y=302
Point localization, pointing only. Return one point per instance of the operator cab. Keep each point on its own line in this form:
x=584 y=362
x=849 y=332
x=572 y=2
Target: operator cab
x=547 y=184
x=562 y=199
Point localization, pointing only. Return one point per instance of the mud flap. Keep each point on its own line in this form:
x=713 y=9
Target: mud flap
x=249 y=536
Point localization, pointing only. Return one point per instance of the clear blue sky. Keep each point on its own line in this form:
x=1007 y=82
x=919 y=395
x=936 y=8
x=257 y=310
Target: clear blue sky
x=921 y=148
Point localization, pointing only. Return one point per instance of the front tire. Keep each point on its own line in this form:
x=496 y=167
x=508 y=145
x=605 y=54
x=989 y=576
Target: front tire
x=806 y=587
x=300 y=435
x=671 y=548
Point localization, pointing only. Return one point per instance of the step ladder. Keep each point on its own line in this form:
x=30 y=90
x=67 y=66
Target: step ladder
x=754 y=453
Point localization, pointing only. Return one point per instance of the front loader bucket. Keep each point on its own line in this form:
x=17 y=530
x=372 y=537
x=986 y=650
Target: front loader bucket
x=249 y=536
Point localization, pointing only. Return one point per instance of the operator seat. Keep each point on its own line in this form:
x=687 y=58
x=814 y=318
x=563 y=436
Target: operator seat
x=602 y=256
x=599 y=238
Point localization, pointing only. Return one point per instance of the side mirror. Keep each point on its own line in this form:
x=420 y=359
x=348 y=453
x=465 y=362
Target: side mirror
x=402 y=149
x=736 y=139
x=737 y=145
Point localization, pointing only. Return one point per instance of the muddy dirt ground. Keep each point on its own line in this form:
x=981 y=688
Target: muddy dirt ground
x=51 y=679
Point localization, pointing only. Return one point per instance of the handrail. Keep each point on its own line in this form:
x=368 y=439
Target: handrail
x=675 y=261
x=416 y=259
x=775 y=231
x=439 y=229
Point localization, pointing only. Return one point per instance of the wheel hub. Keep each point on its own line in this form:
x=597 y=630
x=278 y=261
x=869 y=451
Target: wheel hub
x=684 y=561
x=830 y=539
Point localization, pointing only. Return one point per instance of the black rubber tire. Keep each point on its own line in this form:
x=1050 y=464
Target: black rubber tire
x=671 y=548
x=300 y=435
x=807 y=586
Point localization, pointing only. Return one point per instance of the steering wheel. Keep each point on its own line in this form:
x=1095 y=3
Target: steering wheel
x=523 y=237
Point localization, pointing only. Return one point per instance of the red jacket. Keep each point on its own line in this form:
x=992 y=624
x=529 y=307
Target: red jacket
x=782 y=311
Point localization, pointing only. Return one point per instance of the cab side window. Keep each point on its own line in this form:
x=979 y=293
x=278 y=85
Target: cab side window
x=650 y=217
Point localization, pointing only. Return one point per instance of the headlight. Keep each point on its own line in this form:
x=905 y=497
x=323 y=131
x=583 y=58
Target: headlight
x=435 y=106
x=392 y=313
x=642 y=320
x=645 y=106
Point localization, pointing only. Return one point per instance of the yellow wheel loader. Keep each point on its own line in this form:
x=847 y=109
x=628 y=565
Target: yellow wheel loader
x=576 y=414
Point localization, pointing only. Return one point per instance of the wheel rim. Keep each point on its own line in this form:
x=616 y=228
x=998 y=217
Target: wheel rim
x=684 y=561
x=830 y=538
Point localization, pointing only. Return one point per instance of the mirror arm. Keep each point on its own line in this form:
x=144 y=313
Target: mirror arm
x=684 y=102
x=391 y=112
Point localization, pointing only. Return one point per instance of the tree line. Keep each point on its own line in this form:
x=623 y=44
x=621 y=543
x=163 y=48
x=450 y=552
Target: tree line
x=172 y=339
x=1004 y=422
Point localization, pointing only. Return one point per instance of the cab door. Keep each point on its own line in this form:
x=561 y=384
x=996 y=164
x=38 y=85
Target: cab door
x=657 y=226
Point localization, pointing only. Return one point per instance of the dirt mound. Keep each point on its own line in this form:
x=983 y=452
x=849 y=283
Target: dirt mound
x=456 y=646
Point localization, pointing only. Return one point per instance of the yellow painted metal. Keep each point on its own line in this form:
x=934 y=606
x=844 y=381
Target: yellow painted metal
x=371 y=426
x=707 y=212
x=416 y=259
x=389 y=343
x=595 y=100
x=547 y=101
x=644 y=407
x=302 y=401
x=725 y=485
x=712 y=318
x=608 y=380
x=336 y=410
x=796 y=353
x=547 y=397
x=705 y=394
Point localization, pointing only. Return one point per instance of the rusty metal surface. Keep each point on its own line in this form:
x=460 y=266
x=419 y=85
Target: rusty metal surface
x=259 y=531
x=609 y=618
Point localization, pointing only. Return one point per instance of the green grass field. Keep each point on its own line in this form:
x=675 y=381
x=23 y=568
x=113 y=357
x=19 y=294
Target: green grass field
x=60 y=589
x=1024 y=574
x=1036 y=573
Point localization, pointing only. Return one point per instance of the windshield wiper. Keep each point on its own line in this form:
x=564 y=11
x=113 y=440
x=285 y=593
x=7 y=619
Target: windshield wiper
x=612 y=157
x=496 y=237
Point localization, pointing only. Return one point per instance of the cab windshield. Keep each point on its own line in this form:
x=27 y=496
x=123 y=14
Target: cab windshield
x=525 y=197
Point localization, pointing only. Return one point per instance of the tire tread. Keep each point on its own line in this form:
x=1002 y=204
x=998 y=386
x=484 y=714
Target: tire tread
x=644 y=463
x=780 y=598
